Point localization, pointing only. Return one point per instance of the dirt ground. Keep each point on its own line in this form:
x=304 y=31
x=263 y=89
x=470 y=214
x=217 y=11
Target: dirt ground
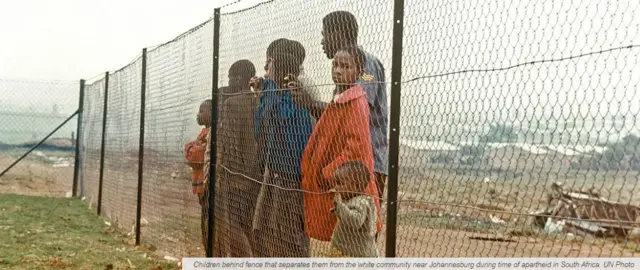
x=172 y=214
x=421 y=242
x=438 y=243
x=33 y=177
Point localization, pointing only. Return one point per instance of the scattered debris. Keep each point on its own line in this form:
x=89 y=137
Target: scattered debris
x=635 y=233
x=490 y=207
x=107 y=223
x=169 y=258
x=586 y=213
x=62 y=163
x=496 y=238
x=68 y=194
x=496 y=220
x=143 y=223
x=553 y=227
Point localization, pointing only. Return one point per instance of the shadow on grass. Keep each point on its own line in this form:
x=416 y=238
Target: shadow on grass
x=47 y=232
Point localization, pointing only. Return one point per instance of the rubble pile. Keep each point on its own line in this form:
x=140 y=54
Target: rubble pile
x=586 y=213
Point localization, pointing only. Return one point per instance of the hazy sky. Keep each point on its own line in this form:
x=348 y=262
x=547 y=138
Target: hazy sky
x=73 y=39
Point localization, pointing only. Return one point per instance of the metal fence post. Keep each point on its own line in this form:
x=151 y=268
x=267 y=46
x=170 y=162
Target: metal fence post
x=102 y=142
x=394 y=123
x=212 y=134
x=143 y=90
x=76 y=163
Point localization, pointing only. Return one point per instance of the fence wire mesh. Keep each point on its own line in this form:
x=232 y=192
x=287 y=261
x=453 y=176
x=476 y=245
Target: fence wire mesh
x=500 y=103
x=29 y=111
x=91 y=140
x=178 y=81
x=119 y=183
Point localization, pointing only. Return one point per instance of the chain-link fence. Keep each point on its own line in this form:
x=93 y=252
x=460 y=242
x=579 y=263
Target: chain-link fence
x=449 y=128
x=37 y=136
x=501 y=101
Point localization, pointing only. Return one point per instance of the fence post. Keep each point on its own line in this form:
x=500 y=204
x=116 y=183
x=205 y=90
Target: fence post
x=394 y=124
x=143 y=90
x=212 y=134
x=104 y=132
x=76 y=163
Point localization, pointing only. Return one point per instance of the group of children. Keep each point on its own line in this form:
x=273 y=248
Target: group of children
x=331 y=160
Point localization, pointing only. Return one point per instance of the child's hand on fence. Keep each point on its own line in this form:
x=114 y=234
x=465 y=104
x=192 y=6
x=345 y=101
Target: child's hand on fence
x=337 y=196
x=290 y=82
x=256 y=84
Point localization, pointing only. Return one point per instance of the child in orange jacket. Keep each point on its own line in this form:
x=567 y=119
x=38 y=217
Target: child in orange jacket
x=194 y=150
x=340 y=136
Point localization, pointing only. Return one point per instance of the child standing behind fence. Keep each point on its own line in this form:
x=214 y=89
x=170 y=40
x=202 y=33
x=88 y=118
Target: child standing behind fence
x=355 y=231
x=194 y=150
x=341 y=136
x=195 y=154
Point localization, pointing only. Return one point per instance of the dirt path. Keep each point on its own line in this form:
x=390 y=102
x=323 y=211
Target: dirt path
x=422 y=242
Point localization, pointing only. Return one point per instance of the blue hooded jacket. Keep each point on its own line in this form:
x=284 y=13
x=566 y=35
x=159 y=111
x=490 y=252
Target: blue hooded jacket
x=282 y=129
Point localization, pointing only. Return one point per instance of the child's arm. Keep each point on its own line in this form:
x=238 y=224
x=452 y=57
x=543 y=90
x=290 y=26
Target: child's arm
x=352 y=214
x=357 y=136
x=194 y=153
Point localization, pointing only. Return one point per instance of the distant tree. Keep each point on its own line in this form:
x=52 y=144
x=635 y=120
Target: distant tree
x=626 y=151
x=499 y=133
x=472 y=150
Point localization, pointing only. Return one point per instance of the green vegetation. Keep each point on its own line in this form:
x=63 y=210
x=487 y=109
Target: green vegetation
x=47 y=232
x=623 y=155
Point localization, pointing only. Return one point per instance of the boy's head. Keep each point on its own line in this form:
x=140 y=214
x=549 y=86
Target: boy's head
x=285 y=46
x=297 y=49
x=204 y=113
x=240 y=73
x=339 y=29
x=348 y=66
x=352 y=178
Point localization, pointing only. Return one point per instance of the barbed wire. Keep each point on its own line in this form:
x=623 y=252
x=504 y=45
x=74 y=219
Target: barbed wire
x=244 y=9
x=552 y=60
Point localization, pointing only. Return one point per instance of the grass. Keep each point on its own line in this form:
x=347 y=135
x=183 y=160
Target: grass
x=62 y=233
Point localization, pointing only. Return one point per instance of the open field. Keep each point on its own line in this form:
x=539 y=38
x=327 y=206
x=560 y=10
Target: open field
x=61 y=233
x=444 y=210
x=36 y=174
